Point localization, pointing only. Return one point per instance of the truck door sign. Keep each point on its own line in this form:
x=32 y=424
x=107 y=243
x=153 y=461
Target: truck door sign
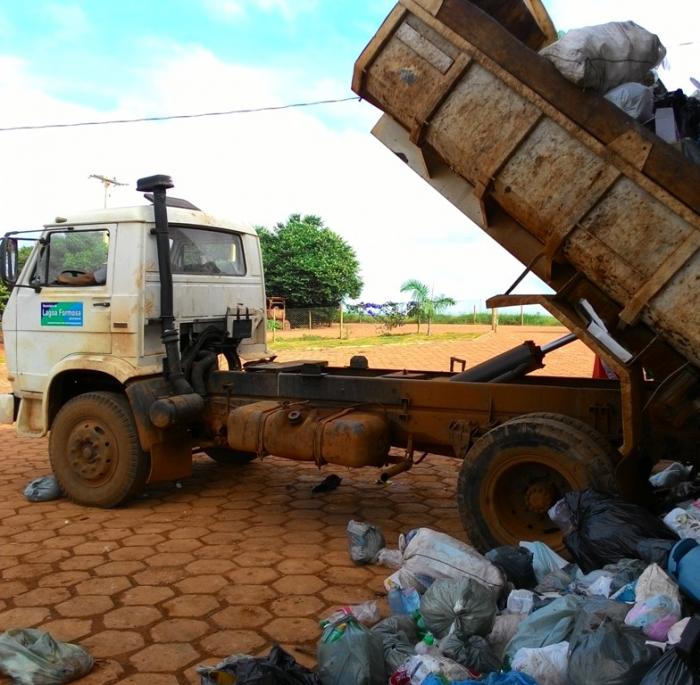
x=62 y=314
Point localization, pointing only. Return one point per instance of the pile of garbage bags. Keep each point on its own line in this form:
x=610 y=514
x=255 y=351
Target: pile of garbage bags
x=618 y=60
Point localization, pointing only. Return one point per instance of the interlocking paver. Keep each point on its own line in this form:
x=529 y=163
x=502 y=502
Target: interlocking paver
x=252 y=556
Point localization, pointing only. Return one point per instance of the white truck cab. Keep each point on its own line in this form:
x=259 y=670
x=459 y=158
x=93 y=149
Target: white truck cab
x=86 y=310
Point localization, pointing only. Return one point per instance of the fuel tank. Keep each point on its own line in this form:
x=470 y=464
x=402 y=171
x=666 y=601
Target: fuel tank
x=325 y=435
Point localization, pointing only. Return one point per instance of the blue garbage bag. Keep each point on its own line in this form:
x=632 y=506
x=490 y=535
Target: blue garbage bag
x=42 y=489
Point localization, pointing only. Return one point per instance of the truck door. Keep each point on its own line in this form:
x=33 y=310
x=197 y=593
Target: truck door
x=68 y=311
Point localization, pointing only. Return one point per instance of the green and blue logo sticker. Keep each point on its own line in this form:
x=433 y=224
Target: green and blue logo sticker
x=61 y=313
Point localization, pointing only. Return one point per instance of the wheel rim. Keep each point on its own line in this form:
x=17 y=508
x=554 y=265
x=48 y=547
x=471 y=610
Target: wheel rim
x=517 y=492
x=92 y=452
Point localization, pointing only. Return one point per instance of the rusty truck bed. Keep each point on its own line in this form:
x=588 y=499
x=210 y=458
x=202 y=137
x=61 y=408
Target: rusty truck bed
x=596 y=205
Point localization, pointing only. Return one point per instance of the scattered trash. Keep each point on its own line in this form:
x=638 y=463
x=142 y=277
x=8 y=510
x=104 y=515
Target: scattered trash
x=608 y=529
x=464 y=607
x=350 y=654
x=516 y=563
x=419 y=667
x=560 y=514
x=474 y=653
x=504 y=629
x=655 y=616
x=684 y=566
x=544 y=559
x=547 y=665
x=670 y=669
x=594 y=584
x=403 y=601
x=365 y=542
x=672 y=475
x=624 y=572
x=33 y=657
x=520 y=601
x=392 y=558
x=328 y=484
x=653 y=582
x=511 y=678
x=637 y=101
x=683 y=524
x=366 y=613
x=606 y=56
x=612 y=654
x=44 y=489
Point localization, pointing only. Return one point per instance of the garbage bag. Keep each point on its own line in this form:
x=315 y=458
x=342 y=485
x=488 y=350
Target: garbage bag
x=474 y=653
x=624 y=572
x=43 y=489
x=516 y=563
x=546 y=626
x=33 y=657
x=511 y=678
x=655 y=581
x=637 y=101
x=655 y=551
x=399 y=635
x=673 y=474
x=683 y=524
x=427 y=553
x=356 y=657
x=365 y=541
x=277 y=668
x=560 y=514
x=684 y=566
x=593 y=584
x=605 y=56
x=520 y=602
x=613 y=654
x=462 y=606
x=670 y=669
x=547 y=665
x=544 y=559
x=504 y=629
x=558 y=580
x=421 y=666
x=655 y=616
x=592 y=613
x=608 y=529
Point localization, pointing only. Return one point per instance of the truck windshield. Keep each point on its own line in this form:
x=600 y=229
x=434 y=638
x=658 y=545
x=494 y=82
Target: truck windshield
x=206 y=251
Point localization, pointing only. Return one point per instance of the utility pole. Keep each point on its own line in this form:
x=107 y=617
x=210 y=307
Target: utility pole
x=107 y=183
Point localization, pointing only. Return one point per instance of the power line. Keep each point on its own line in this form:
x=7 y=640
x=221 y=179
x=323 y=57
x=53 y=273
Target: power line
x=251 y=110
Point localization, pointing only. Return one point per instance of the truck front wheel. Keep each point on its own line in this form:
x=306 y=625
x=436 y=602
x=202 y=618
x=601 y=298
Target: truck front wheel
x=518 y=470
x=95 y=451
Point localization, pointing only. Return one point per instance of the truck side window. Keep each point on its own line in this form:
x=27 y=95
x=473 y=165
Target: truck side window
x=205 y=251
x=73 y=258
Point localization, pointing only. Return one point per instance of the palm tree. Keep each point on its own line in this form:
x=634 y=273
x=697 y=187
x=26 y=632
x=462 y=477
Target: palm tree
x=424 y=306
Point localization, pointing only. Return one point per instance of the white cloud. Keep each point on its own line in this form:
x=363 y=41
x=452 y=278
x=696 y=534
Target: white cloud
x=70 y=20
x=234 y=9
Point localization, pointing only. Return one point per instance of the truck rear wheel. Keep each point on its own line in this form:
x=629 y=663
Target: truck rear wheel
x=514 y=473
x=95 y=451
x=229 y=457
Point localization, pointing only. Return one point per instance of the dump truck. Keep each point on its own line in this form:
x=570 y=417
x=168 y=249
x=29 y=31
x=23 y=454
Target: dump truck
x=135 y=337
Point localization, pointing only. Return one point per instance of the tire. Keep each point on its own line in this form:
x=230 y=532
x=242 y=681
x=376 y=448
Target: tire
x=229 y=457
x=515 y=472
x=95 y=451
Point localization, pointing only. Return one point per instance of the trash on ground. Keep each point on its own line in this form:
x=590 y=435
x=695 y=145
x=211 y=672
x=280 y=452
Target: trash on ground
x=547 y=665
x=33 y=657
x=683 y=524
x=328 y=484
x=403 y=600
x=420 y=667
x=670 y=669
x=474 y=653
x=606 y=56
x=612 y=654
x=350 y=654
x=391 y=558
x=520 y=601
x=504 y=629
x=44 y=489
x=366 y=613
x=399 y=635
x=653 y=582
x=608 y=529
x=516 y=563
x=365 y=541
x=277 y=668
x=684 y=567
x=463 y=606
x=655 y=616
x=560 y=514
x=672 y=475
x=544 y=559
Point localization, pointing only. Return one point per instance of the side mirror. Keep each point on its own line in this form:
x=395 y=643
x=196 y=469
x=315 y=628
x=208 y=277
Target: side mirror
x=8 y=261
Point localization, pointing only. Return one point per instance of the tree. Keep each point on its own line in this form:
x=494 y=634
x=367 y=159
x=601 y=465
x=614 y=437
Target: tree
x=309 y=264
x=423 y=306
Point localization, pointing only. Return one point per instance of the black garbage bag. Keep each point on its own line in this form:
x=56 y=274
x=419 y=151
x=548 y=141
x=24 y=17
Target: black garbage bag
x=670 y=669
x=399 y=634
x=365 y=542
x=463 y=606
x=516 y=563
x=356 y=658
x=655 y=551
x=611 y=655
x=277 y=668
x=608 y=529
x=474 y=653
x=593 y=612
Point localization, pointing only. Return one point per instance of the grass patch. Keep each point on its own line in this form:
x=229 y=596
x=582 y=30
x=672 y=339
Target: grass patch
x=319 y=342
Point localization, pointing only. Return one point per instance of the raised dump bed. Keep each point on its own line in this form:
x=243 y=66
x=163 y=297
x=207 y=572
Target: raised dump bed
x=596 y=205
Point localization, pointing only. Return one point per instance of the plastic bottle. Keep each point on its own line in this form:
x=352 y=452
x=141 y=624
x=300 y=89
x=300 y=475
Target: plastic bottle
x=427 y=645
x=420 y=622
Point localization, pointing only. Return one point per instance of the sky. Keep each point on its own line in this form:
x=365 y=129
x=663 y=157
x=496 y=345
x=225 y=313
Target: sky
x=84 y=60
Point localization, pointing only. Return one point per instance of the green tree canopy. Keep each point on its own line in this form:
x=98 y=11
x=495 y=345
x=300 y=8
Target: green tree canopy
x=424 y=305
x=309 y=264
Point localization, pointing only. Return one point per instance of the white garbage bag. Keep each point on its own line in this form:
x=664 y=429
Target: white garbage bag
x=638 y=101
x=547 y=665
x=606 y=56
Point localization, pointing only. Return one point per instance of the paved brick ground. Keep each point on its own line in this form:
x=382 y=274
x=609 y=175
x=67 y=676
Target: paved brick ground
x=231 y=561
